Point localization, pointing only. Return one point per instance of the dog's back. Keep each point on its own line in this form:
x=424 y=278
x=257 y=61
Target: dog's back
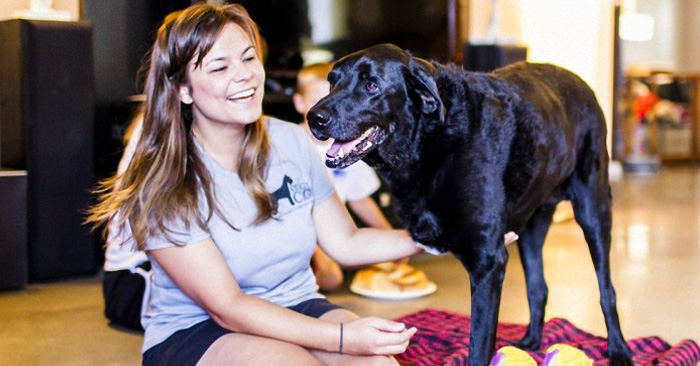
x=550 y=123
x=562 y=124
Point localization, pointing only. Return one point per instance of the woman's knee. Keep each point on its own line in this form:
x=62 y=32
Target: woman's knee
x=376 y=361
x=242 y=349
x=339 y=316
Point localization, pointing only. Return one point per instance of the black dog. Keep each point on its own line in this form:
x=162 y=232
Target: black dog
x=470 y=156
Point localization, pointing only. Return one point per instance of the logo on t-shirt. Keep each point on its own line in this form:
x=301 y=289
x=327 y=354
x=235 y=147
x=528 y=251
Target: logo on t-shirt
x=290 y=194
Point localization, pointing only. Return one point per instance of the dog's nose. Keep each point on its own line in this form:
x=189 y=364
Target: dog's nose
x=319 y=117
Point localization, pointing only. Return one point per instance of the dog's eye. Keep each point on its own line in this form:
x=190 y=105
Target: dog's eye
x=371 y=87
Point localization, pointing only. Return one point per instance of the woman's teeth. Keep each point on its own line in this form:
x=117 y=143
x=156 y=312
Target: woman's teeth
x=242 y=95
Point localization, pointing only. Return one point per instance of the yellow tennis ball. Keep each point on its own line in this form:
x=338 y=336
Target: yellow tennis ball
x=511 y=356
x=564 y=355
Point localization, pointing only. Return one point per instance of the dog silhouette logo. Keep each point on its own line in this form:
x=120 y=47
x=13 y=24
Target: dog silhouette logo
x=283 y=191
x=297 y=194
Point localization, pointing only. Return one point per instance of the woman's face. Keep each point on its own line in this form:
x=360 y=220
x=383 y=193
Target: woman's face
x=227 y=88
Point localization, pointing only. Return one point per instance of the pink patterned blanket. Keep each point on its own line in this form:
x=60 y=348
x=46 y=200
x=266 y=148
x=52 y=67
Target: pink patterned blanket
x=443 y=339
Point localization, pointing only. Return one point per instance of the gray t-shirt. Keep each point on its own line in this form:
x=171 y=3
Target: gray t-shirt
x=269 y=260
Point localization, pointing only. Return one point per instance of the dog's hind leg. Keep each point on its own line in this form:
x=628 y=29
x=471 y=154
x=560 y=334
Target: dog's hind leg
x=530 y=246
x=591 y=199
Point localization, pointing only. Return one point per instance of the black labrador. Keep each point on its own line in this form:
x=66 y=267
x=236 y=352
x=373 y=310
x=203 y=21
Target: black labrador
x=470 y=156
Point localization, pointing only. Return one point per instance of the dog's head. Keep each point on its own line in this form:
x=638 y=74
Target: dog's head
x=381 y=98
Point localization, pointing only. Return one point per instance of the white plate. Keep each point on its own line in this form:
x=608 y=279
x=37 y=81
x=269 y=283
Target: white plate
x=391 y=295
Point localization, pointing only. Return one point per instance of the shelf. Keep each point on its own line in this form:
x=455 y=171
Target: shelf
x=661 y=121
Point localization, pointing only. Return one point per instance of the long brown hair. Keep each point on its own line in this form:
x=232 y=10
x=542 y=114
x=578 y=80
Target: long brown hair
x=166 y=174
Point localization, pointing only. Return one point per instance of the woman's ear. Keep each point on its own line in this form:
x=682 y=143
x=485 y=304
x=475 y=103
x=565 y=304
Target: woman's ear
x=184 y=93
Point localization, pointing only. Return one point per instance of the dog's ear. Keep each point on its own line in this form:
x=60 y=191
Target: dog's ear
x=422 y=88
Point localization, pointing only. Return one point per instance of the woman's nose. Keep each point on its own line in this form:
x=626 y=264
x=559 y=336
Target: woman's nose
x=243 y=73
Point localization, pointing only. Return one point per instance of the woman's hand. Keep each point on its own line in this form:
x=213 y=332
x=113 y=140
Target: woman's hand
x=375 y=336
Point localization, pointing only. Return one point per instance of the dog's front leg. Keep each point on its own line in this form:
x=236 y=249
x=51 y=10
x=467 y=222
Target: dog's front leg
x=486 y=267
x=425 y=228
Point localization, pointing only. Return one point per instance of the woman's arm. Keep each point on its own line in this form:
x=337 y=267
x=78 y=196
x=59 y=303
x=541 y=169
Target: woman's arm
x=369 y=212
x=201 y=272
x=349 y=246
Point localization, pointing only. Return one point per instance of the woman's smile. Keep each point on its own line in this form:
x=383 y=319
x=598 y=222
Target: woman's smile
x=243 y=96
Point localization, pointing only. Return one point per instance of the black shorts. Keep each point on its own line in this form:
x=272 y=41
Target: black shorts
x=185 y=347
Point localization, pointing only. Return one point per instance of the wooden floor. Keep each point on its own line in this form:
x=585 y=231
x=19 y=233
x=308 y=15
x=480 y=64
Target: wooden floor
x=655 y=269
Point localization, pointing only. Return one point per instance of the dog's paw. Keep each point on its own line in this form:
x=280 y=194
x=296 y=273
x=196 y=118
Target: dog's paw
x=529 y=343
x=426 y=228
x=620 y=359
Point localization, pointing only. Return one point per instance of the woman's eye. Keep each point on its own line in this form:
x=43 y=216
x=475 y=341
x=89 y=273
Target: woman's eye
x=219 y=69
x=371 y=87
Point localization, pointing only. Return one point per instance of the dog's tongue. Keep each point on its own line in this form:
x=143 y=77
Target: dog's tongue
x=335 y=147
x=346 y=146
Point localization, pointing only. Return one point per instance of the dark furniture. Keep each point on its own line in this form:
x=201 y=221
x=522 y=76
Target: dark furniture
x=46 y=128
x=488 y=57
x=13 y=229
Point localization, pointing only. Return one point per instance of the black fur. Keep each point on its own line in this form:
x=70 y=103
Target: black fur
x=470 y=156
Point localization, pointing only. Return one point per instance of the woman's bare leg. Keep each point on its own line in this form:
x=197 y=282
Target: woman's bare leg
x=244 y=349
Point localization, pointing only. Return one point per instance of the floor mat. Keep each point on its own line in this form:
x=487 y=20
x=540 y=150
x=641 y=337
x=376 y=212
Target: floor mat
x=442 y=339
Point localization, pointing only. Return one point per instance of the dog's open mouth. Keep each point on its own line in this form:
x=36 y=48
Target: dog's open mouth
x=345 y=153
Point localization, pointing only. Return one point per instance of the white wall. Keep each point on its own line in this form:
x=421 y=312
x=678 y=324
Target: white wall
x=8 y=7
x=675 y=45
x=574 y=34
x=327 y=19
x=661 y=52
x=688 y=36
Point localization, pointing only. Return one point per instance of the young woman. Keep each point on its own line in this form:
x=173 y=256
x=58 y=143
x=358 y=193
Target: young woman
x=228 y=205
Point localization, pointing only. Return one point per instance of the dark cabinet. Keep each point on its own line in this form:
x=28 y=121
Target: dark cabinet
x=46 y=128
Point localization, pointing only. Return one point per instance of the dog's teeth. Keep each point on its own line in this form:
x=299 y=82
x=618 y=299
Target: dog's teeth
x=341 y=153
